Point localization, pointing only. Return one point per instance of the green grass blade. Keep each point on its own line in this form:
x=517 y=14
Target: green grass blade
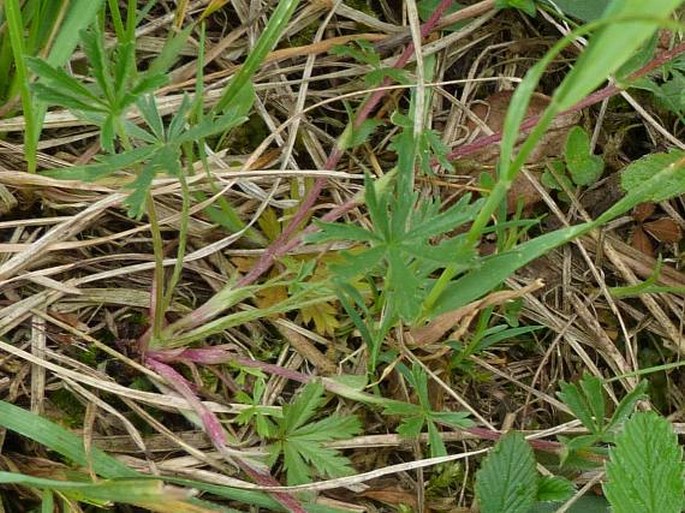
x=613 y=45
x=62 y=441
x=125 y=491
x=15 y=27
x=266 y=42
x=81 y=14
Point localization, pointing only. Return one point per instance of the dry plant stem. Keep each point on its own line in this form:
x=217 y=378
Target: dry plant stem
x=278 y=248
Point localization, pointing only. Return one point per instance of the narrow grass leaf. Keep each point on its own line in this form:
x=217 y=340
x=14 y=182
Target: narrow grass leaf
x=266 y=42
x=15 y=27
x=60 y=440
x=645 y=468
x=612 y=45
x=507 y=481
x=125 y=491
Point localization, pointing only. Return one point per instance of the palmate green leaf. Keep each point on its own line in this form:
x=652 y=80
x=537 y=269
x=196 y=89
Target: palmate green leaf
x=338 y=231
x=455 y=250
x=353 y=137
x=62 y=85
x=391 y=407
x=377 y=205
x=645 y=468
x=365 y=261
x=435 y=443
x=405 y=289
x=457 y=215
x=297 y=470
x=327 y=462
x=507 y=481
x=92 y=44
x=411 y=427
x=164 y=160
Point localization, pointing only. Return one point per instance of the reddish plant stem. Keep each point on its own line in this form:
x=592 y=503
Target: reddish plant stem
x=592 y=99
x=281 y=245
x=216 y=432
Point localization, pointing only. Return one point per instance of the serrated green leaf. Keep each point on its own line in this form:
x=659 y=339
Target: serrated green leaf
x=457 y=215
x=645 y=468
x=355 y=136
x=419 y=382
x=582 y=401
x=335 y=427
x=404 y=287
x=457 y=419
x=297 y=470
x=108 y=165
x=338 y=231
x=411 y=427
x=303 y=406
x=554 y=488
x=401 y=408
x=627 y=404
x=639 y=171
x=327 y=462
x=507 y=481
x=92 y=45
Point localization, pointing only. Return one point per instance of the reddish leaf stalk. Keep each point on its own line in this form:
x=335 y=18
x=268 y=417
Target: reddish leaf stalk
x=213 y=427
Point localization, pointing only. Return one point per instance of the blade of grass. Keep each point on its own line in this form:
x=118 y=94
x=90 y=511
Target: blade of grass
x=62 y=441
x=266 y=42
x=15 y=27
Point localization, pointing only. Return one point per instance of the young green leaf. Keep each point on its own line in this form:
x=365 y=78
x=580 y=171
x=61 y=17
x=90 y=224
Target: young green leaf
x=301 y=443
x=645 y=469
x=627 y=404
x=586 y=401
x=584 y=167
x=507 y=482
x=554 y=488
